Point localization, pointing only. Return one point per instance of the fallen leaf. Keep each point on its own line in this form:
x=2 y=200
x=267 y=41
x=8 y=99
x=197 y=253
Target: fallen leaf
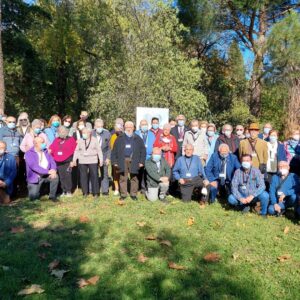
x=212 y=257
x=162 y=212
x=174 y=266
x=54 y=264
x=93 y=280
x=286 y=230
x=141 y=224
x=33 y=289
x=84 y=219
x=85 y=282
x=42 y=255
x=59 y=273
x=82 y=283
x=235 y=256
x=166 y=243
x=191 y=221
x=284 y=257
x=17 y=229
x=45 y=244
x=151 y=237
x=120 y=202
x=142 y=258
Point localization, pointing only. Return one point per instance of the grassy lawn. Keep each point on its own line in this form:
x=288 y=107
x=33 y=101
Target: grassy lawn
x=102 y=238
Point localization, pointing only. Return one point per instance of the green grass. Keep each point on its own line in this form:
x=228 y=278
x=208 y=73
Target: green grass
x=110 y=243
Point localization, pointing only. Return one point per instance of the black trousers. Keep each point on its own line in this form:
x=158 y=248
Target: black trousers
x=89 y=172
x=65 y=177
x=188 y=187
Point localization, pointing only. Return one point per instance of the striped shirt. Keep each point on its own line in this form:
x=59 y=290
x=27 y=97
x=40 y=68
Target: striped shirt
x=249 y=183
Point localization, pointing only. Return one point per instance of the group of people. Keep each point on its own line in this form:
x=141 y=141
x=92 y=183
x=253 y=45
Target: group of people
x=242 y=165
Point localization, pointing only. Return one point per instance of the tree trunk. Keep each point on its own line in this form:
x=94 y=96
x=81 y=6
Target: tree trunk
x=258 y=67
x=61 y=94
x=2 y=86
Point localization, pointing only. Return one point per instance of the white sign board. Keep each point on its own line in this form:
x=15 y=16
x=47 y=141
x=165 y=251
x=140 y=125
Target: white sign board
x=148 y=113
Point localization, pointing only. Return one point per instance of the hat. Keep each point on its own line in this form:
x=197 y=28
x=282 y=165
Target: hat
x=253 y=126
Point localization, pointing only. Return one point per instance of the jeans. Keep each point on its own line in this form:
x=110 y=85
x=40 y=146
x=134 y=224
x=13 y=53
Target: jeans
x=289 y=201
x=224 y=191
x=152 y=192
x=262 y=197
x=34 y=188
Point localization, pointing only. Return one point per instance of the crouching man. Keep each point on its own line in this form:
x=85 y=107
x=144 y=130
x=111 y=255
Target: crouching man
x=190 y=174
x=284 y=189
x=158 y=173
x=8 y=172
x=248 y=187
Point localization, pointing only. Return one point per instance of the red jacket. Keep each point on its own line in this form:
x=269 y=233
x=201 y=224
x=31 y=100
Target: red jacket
x=170 y=141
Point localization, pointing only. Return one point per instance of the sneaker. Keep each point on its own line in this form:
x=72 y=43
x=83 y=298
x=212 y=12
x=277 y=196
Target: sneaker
x=134 y=198
x=164 y=201
x=68 y=195
x=246 y=209
x=53 y=199
x=105 y=194
x=63 y=194
x=116 y=193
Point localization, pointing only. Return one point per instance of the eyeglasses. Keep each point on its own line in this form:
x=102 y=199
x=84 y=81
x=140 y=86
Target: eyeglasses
x=23 y=120
x=11 y=122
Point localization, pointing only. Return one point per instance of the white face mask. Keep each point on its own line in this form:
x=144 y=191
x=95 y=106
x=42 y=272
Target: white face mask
x=284 y=172
x=67 y=124
x=296 y=137
x=195 y=129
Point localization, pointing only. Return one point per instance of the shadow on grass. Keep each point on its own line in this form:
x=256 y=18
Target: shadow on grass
x=75 y=244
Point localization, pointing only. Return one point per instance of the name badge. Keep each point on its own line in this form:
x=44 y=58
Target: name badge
x=243 y=187
x=222 y=176
x=14 y=145
x=254 y=154
x=188 y=175
x=59 y=153
x=180 y=140
x=128 y=146
x=279 y=193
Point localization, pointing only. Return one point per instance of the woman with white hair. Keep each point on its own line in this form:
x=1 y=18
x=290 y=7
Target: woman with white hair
x=89 y=155
x=34 y=131
x=23 y=124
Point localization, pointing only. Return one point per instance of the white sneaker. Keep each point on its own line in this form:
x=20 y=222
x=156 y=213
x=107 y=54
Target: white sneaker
x=68 y=195
x=116 y=193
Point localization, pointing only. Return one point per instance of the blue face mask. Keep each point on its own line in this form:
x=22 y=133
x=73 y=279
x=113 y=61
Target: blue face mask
x=267 y=130
x=144 y=128
x=129 y=134
x=246 y=165
x=156 y=157
x=43 y=146
x=155 y=126
x=55 y=123
x=210 y=133
x=11 y=125
x=37 y=130
x=273 y=139
x=180 y=123
x=84 y=136
x=99 y=130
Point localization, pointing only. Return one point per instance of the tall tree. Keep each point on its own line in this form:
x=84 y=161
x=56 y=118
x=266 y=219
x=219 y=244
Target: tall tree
x=2 y=85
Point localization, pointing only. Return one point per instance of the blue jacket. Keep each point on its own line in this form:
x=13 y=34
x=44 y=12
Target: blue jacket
x=290 y=186
x=212 y=145
x=51 y=133
x=149 y=141
x=12 y=138
x=185 y=165
x=8 y=171
x=213 y=167
x=281 y=154
x=105 y=136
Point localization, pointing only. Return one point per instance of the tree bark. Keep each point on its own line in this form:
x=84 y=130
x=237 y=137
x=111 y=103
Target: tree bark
x=258 y=67
x=2 y=85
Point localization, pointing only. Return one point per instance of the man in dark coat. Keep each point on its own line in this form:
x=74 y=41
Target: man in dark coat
x=129 y=154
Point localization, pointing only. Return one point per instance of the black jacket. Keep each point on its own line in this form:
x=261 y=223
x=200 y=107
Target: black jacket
x=138 y=155
x=174 y=131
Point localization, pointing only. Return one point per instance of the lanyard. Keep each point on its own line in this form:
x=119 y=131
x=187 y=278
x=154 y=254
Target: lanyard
x=13 y=135
x=252 y=146
x=246 y=180
x=2 y=161
x=193 y=136
x=188 y=166
x=87 y=147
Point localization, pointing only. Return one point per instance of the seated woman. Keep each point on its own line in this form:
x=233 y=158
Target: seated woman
x=34 y=131
x=62 y=150
x=40 y=169
x=8 y=172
